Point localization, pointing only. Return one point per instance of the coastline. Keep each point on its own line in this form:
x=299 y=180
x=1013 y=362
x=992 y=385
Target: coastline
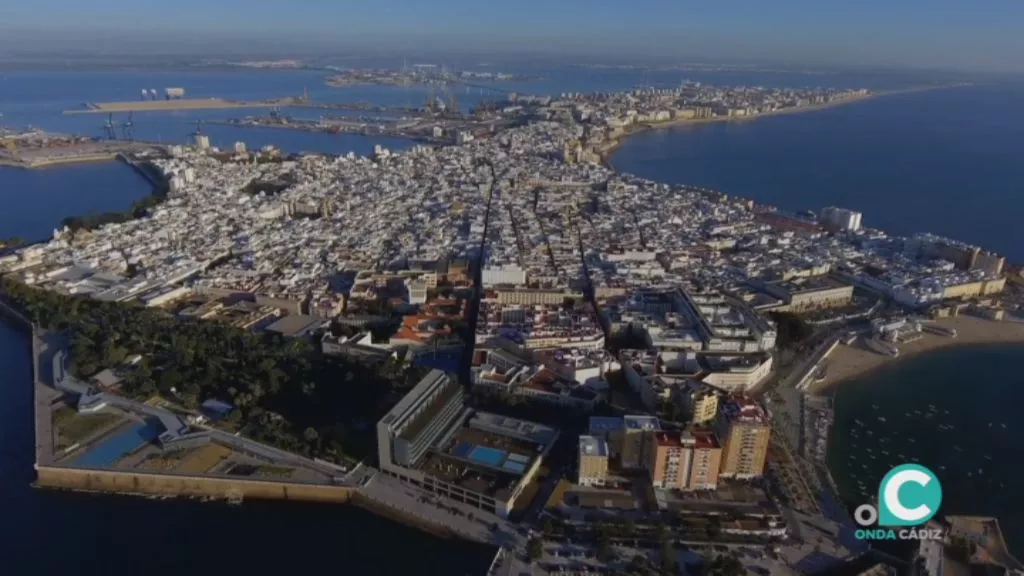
x=208 y=488
x=850 y=362
x=606 y=151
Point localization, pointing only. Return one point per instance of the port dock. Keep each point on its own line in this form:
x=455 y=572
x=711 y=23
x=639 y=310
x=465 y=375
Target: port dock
x=181 y=104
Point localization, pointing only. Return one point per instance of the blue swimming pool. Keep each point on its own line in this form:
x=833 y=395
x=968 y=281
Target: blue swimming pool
x=487 y=455
x=463 y=450
x=111 y=450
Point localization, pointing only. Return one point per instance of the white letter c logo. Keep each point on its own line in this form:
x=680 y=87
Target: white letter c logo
x=892 y=495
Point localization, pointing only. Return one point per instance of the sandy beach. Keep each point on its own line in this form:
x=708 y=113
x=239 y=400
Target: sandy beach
x=848 y=362
x=609 y=149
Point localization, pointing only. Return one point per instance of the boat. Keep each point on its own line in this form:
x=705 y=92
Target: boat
x=881 y=419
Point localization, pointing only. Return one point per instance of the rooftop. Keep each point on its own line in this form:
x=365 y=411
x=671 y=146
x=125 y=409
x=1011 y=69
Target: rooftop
x=593 y=446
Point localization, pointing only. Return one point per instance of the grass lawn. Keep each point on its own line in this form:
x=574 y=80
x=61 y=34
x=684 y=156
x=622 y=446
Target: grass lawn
x=204 y=459
x=76 y=427
x=274 y=471
x=161 y=462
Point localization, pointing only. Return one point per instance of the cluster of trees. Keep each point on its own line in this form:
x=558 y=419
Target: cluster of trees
x=285 y=391
x=138 y=209
x=792 y=329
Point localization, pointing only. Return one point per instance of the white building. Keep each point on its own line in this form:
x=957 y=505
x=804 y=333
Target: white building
x=504 y=275
x=841 y=218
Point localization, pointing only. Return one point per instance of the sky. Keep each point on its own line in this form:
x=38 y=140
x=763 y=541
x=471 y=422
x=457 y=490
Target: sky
x=982 y=35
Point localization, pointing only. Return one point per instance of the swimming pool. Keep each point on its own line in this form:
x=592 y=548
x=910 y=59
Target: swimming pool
x=111 y=450
x=487 y=455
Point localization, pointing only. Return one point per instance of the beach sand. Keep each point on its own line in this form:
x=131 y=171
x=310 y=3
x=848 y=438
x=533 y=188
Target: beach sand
x=847 y=362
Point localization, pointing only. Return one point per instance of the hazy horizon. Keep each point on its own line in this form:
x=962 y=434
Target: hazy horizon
x=936 y=34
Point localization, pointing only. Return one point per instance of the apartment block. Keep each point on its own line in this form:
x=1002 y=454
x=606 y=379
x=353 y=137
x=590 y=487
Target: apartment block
x=669 y=459
x=637 y=433
x=743 y=429
x=706 y=462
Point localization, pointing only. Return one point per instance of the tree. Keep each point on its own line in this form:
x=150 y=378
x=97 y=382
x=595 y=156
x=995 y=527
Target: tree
x=669 y=563
x=792 y=329
x=638 y=563
x=714 y=528
x=725 y=566
x=605 y=551
x=535 y=549
x=548 y=527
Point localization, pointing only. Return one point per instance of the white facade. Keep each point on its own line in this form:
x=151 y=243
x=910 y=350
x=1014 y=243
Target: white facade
x=508 y=275
x=842 y=218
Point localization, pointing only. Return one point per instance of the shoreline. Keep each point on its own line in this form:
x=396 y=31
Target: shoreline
x=855 y=361
x=610 y=148
x=152 y=485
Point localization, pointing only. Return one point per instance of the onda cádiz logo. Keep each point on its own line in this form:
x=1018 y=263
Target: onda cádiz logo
x=908 y=497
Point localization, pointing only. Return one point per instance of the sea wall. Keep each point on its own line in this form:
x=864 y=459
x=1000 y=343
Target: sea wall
x=385 y=510
x=130 y=482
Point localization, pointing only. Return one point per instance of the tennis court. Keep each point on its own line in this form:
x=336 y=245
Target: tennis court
x=488 y=456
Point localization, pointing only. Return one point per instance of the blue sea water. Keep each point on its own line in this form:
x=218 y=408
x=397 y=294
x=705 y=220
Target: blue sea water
x=50 y=532
x=945 y=161
x=938 y=160
x=35 y=201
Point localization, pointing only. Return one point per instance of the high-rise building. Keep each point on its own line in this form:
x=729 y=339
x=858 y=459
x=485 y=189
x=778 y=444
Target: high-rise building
x=409 y=429
x=706 y=462
x=841 y=218
x=637 y=432
x=684 y=460
x=743 y=429
x=669 y=459
x=592 y=468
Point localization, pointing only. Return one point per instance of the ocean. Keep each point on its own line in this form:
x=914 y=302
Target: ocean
x=943 y=161
x=872 y=155
x=953 y=411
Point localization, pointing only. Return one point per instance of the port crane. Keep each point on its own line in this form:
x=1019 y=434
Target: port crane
x=128 y=128
x=108 y=128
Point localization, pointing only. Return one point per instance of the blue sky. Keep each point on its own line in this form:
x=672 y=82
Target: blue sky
x=944 y=33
